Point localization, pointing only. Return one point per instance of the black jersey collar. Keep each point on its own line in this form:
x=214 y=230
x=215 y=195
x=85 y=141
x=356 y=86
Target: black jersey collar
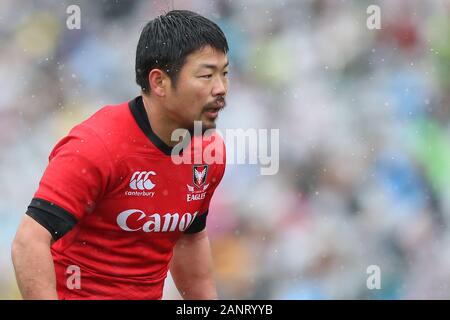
x=140 y=116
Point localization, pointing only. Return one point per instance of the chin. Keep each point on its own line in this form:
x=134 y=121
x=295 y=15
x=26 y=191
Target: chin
x=208 y=124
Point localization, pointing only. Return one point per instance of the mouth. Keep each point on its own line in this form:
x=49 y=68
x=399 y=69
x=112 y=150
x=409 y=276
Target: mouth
x=213 y=112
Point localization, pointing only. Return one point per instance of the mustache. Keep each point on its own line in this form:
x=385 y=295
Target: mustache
x=218 y=103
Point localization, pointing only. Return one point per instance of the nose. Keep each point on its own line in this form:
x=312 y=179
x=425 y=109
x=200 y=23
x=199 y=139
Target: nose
x=219 y=88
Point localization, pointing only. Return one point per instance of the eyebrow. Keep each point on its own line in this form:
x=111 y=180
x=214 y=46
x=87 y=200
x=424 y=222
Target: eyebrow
x=212 y=66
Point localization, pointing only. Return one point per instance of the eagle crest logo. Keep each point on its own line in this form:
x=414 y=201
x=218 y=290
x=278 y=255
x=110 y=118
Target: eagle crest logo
x=199 y=174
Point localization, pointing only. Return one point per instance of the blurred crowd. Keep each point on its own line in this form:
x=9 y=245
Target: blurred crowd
x=363 y=115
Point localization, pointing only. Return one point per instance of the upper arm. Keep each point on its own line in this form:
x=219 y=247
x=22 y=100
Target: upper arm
x=30 y=231
x=191 y=237
x=189 y=246
x=75 y=178
x=77 y=174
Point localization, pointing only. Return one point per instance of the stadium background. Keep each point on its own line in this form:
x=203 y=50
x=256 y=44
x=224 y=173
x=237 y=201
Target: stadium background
x=364 y=135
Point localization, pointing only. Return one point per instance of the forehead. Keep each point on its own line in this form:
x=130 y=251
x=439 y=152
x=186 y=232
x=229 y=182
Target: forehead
x=206 y=55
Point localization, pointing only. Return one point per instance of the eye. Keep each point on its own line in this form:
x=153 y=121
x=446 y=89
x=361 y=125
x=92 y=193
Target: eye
x=225 y=73
x=207 y=76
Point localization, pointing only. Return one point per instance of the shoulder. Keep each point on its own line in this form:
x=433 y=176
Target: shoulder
x=214 y=142
x=107 y=129
x=109 y=120
x=97 y=137
x=214 y=153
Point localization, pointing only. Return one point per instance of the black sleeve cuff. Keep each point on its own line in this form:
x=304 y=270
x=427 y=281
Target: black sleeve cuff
x=198 y=224
x=53 y=218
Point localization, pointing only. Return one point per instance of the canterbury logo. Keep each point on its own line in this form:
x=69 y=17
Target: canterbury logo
x=141 y=181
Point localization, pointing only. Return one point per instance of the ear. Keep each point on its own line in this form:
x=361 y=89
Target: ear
x=158 y=81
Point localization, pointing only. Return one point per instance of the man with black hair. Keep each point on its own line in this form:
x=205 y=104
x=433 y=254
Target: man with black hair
x=113 y=211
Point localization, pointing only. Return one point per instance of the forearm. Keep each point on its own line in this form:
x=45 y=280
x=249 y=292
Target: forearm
x=34 y=268
x=192 y=267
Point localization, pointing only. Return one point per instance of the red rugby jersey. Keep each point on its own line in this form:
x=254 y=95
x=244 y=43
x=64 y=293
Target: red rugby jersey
x=130 y=203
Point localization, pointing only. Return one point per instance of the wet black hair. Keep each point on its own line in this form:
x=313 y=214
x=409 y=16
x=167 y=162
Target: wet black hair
x=167 y=40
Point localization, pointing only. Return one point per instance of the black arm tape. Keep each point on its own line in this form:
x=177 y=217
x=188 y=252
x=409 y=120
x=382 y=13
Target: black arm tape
x=53 y=218
x=198 y=224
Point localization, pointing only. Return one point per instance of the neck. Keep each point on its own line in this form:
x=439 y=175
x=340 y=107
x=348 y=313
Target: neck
x=161 y=124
